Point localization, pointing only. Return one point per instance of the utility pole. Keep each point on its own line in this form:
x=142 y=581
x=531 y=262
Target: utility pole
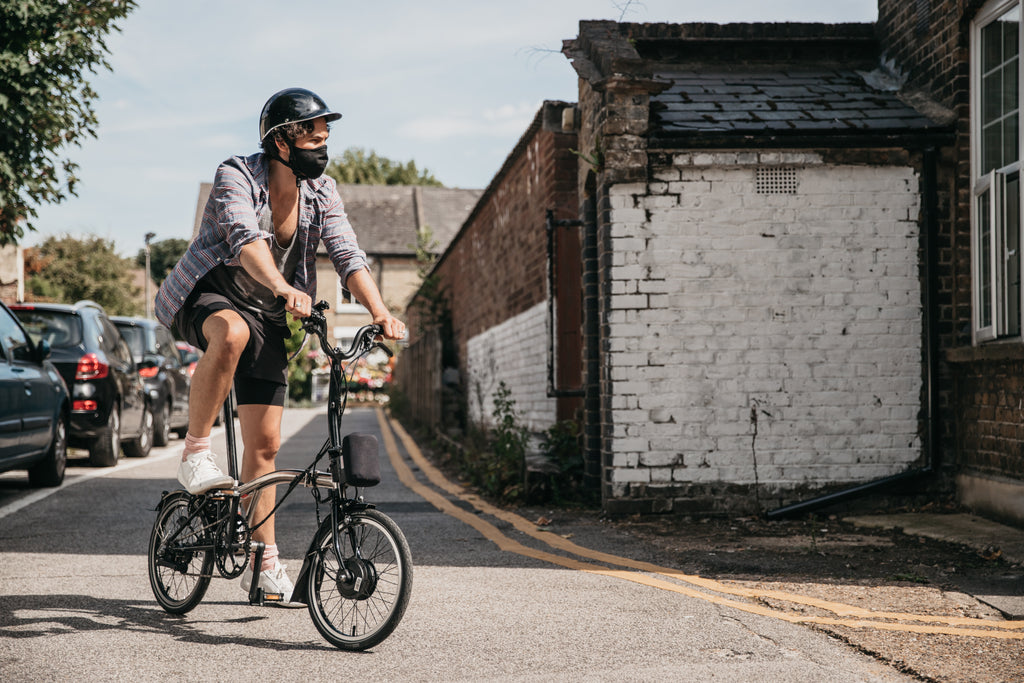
x=149 y=303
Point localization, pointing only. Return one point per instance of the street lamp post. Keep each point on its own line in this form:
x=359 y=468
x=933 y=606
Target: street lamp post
x=149 y=304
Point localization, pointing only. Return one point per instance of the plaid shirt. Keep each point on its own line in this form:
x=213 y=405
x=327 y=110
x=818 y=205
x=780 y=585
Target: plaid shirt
x=240 y=194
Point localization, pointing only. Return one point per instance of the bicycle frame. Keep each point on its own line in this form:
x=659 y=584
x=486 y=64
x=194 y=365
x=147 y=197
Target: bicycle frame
x=333 y=480
x=356 y=576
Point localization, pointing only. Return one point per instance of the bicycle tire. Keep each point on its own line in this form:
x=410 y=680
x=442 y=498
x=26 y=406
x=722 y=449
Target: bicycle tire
x=179 y=578
x=358 y=614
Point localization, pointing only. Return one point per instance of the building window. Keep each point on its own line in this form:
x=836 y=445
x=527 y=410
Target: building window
x=995 y=171
x=345 y=302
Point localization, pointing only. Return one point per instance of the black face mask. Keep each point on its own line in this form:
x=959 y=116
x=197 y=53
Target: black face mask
x=307 y=163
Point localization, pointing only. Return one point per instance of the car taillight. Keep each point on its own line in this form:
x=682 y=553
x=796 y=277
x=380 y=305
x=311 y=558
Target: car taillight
x=149 y=372
x=91 y=367
x=84 y=405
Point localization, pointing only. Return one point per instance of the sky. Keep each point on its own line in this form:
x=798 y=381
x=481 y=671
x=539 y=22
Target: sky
x=449 y=84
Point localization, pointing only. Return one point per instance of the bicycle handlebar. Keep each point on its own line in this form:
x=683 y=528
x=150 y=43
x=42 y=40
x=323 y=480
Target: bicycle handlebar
x=365 y=339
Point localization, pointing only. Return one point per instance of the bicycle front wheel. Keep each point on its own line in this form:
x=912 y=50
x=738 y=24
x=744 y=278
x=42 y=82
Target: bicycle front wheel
x=179 y=573
x=356 y=600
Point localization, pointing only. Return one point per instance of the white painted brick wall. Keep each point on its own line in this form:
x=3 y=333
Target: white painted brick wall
x=514 y=352
x=800 y=309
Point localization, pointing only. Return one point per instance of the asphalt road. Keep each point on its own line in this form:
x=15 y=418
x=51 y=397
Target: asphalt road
x=489 y=601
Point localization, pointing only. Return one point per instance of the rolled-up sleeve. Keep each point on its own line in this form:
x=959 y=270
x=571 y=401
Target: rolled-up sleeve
x=234 y=204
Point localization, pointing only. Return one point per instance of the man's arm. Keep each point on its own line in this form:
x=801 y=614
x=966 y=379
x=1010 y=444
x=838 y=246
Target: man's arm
x=362 y=286
x=257 y=260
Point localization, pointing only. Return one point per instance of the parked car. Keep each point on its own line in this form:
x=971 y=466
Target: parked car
x=165 y=374
x=109 y=406
x=34 y=406
x=190 y=355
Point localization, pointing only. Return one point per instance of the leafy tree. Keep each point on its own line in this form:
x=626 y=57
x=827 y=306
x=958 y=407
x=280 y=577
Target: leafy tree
x=46 y=49
x=67 y=269
x=162 y=257
x=356 y=167
x=300 y=366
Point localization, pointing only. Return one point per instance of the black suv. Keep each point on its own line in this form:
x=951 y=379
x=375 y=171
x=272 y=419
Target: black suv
x=109 y=406
x=166 y=376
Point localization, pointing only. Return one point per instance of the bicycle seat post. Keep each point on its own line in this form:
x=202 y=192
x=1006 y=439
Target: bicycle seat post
x=229 y=435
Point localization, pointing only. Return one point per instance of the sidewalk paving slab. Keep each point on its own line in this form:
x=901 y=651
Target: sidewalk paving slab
x=1005 y=593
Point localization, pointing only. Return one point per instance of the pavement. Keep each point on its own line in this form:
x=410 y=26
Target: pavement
x=989 y=538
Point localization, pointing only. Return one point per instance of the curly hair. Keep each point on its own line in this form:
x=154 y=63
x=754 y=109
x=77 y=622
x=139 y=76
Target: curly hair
x=289 y=133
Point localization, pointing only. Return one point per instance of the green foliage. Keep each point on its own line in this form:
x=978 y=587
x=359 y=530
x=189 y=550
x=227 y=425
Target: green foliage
x=47 y=48
x=504 y=473
x=356 y=167
x=426 y=251
x=560 y=443
x=67 y=269
x=300 y=368
x=162 y=257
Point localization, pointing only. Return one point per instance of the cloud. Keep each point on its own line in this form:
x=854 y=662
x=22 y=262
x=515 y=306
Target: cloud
x=509 y=119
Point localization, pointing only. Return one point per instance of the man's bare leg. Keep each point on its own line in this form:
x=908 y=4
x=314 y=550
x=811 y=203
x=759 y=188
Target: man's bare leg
x=261 y=439
x=226 y=335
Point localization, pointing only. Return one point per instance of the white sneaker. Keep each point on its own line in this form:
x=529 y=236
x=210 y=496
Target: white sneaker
x=274 y=582
x=198 y=473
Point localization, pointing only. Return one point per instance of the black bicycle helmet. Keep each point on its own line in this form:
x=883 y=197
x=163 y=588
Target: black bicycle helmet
x=292 y=105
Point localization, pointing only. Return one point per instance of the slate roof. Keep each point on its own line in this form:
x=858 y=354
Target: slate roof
x=789 y=101
x=386 y=218
x=710 y=84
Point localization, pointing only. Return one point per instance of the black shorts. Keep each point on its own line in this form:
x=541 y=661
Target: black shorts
x=261 y=377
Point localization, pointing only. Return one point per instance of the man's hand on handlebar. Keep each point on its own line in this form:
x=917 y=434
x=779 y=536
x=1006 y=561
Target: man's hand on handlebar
x=392 y=326
x=296 y=302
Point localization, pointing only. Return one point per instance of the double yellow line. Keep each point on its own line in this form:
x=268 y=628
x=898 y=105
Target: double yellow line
x=685 y=584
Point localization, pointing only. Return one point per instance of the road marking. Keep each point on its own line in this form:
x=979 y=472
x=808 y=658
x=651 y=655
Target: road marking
x=122 y=465
x=699 y=587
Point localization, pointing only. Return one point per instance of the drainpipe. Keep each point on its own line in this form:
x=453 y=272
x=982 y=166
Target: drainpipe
x=930 y=306
x=549 y=225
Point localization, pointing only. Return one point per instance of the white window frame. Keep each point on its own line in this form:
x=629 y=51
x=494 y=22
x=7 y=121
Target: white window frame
x=993 y=184
x=345 y=302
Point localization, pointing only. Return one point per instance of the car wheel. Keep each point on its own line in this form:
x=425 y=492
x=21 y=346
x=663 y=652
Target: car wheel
x=162 y=425
x=105 y=451
x=140 y=447
x=50 y=472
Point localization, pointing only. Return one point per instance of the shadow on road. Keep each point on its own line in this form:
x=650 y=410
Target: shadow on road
x=36 y=616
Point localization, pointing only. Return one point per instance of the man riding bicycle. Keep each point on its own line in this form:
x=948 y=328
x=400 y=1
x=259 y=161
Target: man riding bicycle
x=253 y=261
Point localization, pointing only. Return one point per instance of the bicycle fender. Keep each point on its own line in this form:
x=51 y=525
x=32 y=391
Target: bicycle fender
x=168 y=496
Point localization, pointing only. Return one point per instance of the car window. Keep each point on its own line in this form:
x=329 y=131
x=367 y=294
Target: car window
x=165 y=346
x=188 y=355
x=58 y=328
x=15 y=341
x=113 y=342
x=135 y=337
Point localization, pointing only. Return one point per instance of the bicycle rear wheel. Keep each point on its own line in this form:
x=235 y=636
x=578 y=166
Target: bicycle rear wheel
x=178 y=573
x=357 y=600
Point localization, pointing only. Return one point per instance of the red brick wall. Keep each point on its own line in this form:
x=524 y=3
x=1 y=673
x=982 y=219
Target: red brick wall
x=980 y=431
x=496 y=267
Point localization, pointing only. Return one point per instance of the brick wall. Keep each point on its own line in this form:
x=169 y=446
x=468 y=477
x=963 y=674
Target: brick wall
x=768 y=338
x=982 y=390
x=495 y=269
x=513 y=352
